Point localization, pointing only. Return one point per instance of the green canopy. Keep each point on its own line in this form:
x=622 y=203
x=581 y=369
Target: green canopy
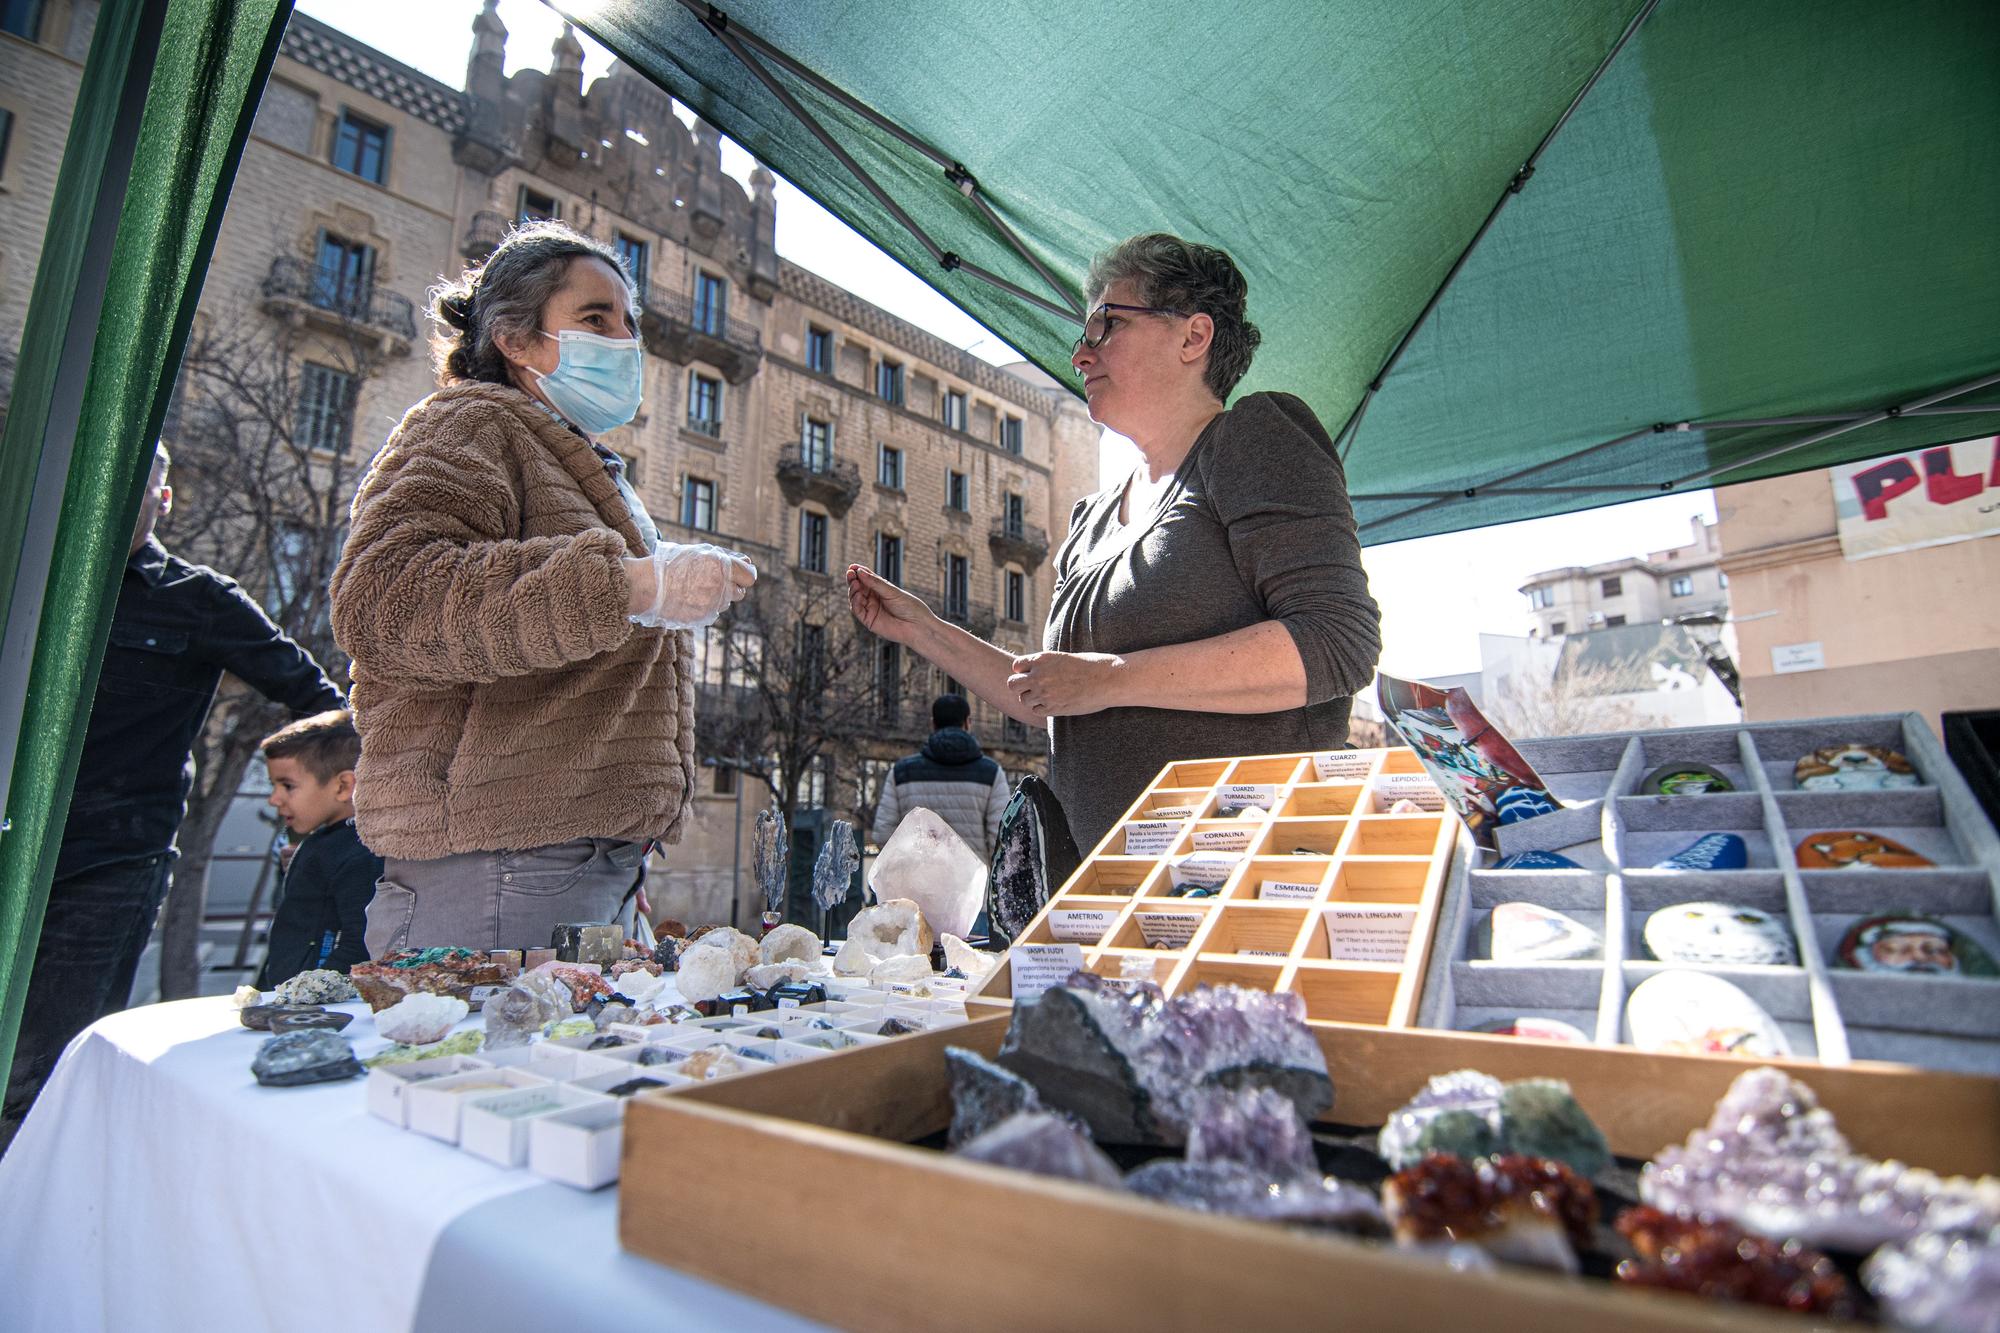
x=1758 y=213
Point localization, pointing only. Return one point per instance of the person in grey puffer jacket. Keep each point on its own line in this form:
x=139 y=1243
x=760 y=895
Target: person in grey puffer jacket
x=951 y=777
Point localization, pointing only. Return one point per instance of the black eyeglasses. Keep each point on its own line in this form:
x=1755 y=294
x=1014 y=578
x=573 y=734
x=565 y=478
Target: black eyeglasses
x=1101 y=322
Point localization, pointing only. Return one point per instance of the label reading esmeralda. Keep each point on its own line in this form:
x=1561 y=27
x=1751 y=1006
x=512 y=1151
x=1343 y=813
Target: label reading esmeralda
x=1201 y=870
x=1235 y=838
x=1368 y=934
x=1263 y=795
x=1080 y=925
x=1282 y=890
x=1037 y=967
x=1168 y=930
x=1341 y=764
x=1150 y=837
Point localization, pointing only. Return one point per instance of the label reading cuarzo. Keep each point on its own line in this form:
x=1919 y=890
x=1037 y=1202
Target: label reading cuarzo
x=1168 y=930
x=1080 y=925
x=1368 y=934
x=1281 y=890
x=1037 y=967
x=1338 y=764
x=1202 y=870
x=1263 y=795
x=1236 y=839
x=1152 y=837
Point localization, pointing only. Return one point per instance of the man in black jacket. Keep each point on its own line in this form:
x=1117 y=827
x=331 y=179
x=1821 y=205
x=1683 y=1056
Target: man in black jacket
x=950 y=777
x=177 y=628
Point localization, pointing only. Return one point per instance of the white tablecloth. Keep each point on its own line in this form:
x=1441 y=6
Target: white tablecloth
x=156 y=1186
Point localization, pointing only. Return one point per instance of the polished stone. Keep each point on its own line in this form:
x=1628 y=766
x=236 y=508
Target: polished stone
x=1718 y=933
x=1530 y=933
x=1711 y=851
x=1912 y=944
x=1695 y=1013
x=1856 y=849
x=1684 y=780
x=1853 y=768
x=1536 y=861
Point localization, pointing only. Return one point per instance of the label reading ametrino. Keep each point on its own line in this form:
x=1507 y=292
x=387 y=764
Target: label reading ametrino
x=1080 y=925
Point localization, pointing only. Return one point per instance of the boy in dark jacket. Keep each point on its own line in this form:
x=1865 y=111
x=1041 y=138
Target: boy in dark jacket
x=322 y=916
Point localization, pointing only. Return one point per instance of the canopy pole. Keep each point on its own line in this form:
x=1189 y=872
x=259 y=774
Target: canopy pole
x=740 y=41
x=1351 y=432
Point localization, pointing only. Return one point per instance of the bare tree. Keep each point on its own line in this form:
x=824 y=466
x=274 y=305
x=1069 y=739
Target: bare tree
x=259 y=431
x=1577 y=700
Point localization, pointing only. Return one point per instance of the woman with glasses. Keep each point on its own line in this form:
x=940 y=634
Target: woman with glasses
x=1213 y=602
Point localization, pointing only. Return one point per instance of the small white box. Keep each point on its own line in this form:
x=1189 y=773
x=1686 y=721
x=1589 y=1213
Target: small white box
x=495 y=1127
x=388 y=1083
x=579 y=1146
x=432 y=1108
x=624 y=1074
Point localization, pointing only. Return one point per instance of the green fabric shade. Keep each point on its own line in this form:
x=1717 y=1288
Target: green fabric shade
x=1761 y=211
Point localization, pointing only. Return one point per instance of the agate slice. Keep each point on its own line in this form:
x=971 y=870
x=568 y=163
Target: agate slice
x=1521 y=1210
x=1695 y=1013
x=1719 y=1261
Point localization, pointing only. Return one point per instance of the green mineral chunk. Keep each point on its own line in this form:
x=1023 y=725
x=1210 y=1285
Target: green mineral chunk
x=465 y=1043
x=575 y=1027
x=1460 y=1133
x=1539 y=1117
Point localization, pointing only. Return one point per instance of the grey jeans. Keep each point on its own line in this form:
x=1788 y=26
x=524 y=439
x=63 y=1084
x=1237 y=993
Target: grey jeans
x=499 y=900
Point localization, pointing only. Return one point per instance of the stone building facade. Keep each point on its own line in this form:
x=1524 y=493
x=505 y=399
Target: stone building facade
x=1677 y=584
x=783 y=415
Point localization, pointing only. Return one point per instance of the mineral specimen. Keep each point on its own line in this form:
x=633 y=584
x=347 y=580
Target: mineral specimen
x=895 y=1027
x=1253 y=1127
x=1045 y=1145
x=258 y=1016
x=1128 y=1063
x=245 y=996
x=714 y=1062
x=927 y=863
x=1939 y=1280
x=322 y=985
x=833 y=873
x=772 y=858
x=706 y=973
x=1704 y=1257
x=1771 y=1160
x=983 y=1094
x=766 y=975
x=516 y=1014
x=789 y=943
x=741 y=949
x=1470 y=1114
x=308 y=1020
x=639 y=986
x=1522 y=1210
x=587 y=942
x=667 y=950
x=297 y=1058
x=886 y=930
x=974 y=965
x=435 y=971
x=1033 y=851
x=462 y=1043
x=419 y=1020
x=901 y=968
x=1457 y=1132
x=632 y=1085
x=1540 y=1118
x=1466 y=1090
x=1236 y=1190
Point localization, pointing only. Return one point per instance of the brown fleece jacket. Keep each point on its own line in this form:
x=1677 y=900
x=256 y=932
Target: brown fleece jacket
x=504 y=701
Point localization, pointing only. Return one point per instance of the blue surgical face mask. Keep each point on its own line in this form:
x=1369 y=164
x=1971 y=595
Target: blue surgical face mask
x=598 y=382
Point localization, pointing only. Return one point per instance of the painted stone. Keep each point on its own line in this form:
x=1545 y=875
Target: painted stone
x=1518 y=803
x=1694 y=1013
x=1537 y=1029
x=1853 y=768
x=1684 y=780
x=1529 y=933
x=1913 y=945
x=1718 y=933
x=1711 y=851
x=1536 y=861
x=1854 y=849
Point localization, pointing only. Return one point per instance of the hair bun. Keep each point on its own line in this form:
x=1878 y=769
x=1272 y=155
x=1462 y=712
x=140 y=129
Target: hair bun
x=456 y=311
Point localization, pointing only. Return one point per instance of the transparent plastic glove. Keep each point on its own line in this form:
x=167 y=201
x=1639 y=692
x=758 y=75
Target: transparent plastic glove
x=693 y=583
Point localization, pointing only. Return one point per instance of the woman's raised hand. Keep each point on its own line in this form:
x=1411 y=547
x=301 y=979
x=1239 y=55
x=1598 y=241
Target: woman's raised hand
x=686 y=586
x=883 y=609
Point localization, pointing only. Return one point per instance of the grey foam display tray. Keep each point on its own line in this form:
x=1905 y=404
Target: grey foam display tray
x=1830 y=1013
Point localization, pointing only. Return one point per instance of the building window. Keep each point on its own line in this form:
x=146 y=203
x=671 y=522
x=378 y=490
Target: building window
x=535 y=205
x=889 y=382
x=889 y=557
x=698 y=504
x=725 y=780
x=711 y=304
x=812 y=661
x=889 y=467
x=1721 y=579
x=6 y=138
x=956 y=492
x=1558 y=627
x=1016 y=515
x=633 y=471
x=1541 y=598
x=1010 y=434
x=1612 y=622
x=1612 y=587
x=344 y=274
x=1017 y=596
x=326 y=409
x=704 y=404
x=819 y=350
x=812 y=541
x=816 y=445
x=957 y=588
x=361 y=147
x=954 y=410
x=633 y=253
x=889 y=681
x=23 y=18
x=1682 y=585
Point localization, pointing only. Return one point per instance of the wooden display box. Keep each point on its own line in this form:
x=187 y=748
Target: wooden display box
x=853 y=1227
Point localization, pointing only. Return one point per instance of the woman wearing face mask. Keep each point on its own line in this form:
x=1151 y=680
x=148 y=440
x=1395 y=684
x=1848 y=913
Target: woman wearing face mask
x=523 y=671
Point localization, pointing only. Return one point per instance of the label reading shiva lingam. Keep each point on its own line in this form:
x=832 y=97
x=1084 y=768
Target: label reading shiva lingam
x=1368 y=934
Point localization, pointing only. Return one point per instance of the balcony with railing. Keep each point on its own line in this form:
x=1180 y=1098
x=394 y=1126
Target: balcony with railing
x=301 y=293
x=677 y=328
x=483 y=235
x=833 y=482
x=1023 y=544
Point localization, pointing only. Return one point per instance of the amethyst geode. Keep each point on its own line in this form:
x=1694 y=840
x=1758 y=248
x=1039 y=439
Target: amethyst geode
x=1235 y=1190
x=1939 y=1281
x=1132 y=1065
x=1771 y=1160
x=1046 y=1145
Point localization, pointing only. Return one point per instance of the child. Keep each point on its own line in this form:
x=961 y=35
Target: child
x=322 y=912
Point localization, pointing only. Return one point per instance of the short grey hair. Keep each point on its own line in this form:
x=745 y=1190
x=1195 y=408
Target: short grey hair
x=1195 y=279
x=507 y=295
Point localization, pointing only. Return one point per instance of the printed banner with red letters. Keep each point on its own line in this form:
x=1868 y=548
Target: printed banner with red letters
x=1927 y=497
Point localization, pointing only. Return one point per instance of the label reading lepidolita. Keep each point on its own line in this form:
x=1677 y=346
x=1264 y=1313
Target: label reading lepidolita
x=1281 y=890
x=1368 y=934
x=1080 y=925
x=1168 y=930
x=1339 y=764
x=1152 y=837
x=1037 y=967
x=1263 y=795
